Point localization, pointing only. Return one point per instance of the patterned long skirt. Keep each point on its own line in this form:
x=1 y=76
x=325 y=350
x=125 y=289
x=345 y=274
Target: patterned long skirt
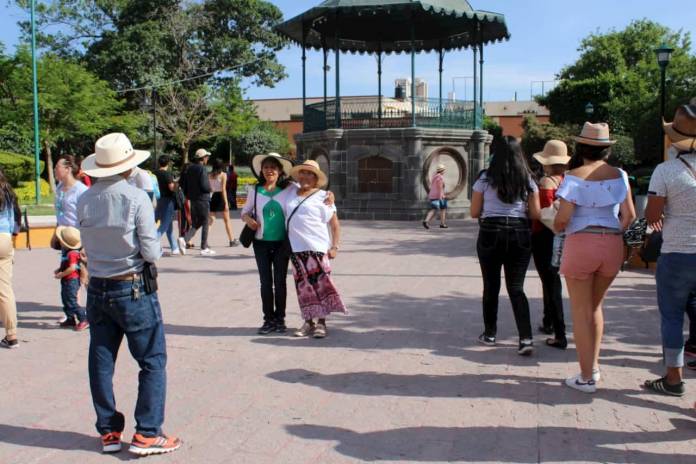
x=316 y=292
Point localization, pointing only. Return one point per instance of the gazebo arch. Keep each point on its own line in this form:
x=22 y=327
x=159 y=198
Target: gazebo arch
x=382 y=27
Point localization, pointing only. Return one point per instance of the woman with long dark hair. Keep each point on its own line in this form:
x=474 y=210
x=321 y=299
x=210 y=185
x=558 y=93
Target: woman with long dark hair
x=504 y=199
x=9 y=226
x=219 y=204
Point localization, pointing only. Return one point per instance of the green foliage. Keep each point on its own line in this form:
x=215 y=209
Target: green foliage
x=244 y=181
x=492 y=127
x=26 y=192
x=17 y=167
x=263 y=138
x=618 y=73
x=623 y=153
x=537 y=134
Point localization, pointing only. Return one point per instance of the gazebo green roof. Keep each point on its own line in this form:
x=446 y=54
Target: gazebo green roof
x=370 y=26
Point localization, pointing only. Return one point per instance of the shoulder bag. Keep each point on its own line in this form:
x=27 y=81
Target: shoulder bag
x=246 y=238
x=287 y=247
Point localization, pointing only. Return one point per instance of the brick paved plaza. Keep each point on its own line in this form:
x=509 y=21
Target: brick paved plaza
x=400 y=379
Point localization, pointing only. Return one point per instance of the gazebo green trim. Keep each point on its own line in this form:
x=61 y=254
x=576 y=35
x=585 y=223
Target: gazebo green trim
x=395 y=26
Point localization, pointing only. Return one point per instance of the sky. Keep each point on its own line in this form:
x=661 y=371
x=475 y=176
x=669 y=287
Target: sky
x=545 y=35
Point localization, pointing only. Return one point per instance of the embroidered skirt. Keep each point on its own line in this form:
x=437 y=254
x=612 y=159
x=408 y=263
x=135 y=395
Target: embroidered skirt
x=316 y=292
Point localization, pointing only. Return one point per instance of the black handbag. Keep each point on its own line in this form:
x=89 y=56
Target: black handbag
x=246 y=238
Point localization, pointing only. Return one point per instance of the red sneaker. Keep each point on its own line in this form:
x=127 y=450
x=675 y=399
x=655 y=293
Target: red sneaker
x=111 y=442
x=81 y=326
x=145 y=446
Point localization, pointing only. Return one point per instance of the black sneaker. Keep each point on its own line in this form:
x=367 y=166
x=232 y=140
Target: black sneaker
x=487 y=340
x=69 y=323
x=426 y=225
x=267 y=328
x=525 y=348
x=280 y=326
x=690 y=350
x=5 y=343
x=234 y=242
x=661 y=386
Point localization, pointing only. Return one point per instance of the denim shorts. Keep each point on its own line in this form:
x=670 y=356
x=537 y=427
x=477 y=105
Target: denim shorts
x=437 y=204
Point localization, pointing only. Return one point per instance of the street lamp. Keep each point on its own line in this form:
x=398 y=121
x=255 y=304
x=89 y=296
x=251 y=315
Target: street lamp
x=664 y=55
x=589 y=111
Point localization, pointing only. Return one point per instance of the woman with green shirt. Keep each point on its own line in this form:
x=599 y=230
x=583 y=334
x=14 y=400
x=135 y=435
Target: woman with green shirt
x=267 y=204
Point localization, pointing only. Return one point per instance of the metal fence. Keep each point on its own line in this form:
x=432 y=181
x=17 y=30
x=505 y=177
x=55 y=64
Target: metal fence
x=364 y=113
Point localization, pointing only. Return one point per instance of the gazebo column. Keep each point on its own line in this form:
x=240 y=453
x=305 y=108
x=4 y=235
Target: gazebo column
x=304 y=88
x=338 y=76
x=481 y=74
x=326 y=69
x=441 y=58
x=379 y=87
x=476 y=107
x=413 y=74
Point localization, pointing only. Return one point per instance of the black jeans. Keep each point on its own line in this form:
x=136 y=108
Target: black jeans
x=272 y=260
x=200 y=210
x=542 y=249
x=507 y=246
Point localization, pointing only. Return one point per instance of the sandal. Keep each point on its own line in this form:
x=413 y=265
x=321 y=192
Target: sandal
x=661 y=386
x=561 y=344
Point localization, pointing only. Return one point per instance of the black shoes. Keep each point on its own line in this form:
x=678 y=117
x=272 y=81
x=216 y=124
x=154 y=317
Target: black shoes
x=426 y=225
x=267 y=328
x=280 y=326
x=68 y=323
x=487 y=340
x=444 y=226
x=546 y=329
x=525 y=347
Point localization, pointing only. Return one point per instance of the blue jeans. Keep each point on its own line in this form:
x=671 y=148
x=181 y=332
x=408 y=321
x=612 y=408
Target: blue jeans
x=114 y=311
x=68 y=295
x=164 y=213
x=676 y=281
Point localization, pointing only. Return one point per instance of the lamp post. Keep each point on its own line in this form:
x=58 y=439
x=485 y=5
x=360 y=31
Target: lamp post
x=589 y=111
x=664 y=55
x=35 y=91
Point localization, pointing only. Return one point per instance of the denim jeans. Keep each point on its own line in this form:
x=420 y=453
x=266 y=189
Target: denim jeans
x=542 y=250
x=165 y=215
x=272 y=261
x=676 y=282
x=507 y=247
x=68 y=295
x=116 y=308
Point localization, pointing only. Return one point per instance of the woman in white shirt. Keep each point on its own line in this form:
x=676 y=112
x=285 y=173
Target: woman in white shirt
x=308 y=222
x=595 y=209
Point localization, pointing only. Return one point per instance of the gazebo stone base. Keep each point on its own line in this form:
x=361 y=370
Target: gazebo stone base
x=385 y=173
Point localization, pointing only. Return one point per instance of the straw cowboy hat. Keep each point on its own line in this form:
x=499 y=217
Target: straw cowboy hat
x=201 y=153
x=595 y=134
x=257 y=161
x=113 y=154
x=682 y=131
x=313 y=167
x=555 y=152
x=69 y=237
x=440 y=168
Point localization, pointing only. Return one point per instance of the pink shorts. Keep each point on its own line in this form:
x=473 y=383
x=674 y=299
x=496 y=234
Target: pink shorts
x=588 y=254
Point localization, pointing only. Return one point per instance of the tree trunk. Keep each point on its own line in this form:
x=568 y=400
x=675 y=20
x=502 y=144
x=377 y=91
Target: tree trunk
x=184 y=153
x=49 y=167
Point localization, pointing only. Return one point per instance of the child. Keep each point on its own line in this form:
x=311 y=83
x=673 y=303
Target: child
x=69 y=275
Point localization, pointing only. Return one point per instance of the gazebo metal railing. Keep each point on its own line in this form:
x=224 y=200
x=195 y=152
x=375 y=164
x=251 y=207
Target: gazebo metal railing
x=364 y=113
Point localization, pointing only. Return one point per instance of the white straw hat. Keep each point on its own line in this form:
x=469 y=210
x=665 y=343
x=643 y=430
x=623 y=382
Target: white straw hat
x=257 y=162
x=113 y=154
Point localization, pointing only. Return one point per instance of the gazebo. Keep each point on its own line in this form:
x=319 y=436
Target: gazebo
x=380 y=151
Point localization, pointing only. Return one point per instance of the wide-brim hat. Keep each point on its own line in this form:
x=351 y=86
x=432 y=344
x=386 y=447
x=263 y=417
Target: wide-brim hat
x=313 y=167
x=201 y=153
x=257 y=162
x=69 y=237
x=682 y=130
x=595 y=134
x=554 y=152
x=113 y=154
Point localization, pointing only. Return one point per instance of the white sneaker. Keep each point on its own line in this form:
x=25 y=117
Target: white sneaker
x=208 y=252
x=62 y=319
x=182 y=245
x=585 y=386
x=596 y=375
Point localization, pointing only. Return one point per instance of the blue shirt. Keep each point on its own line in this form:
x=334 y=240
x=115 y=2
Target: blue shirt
x=117 y=226
x=66 y=204
x=7 y=219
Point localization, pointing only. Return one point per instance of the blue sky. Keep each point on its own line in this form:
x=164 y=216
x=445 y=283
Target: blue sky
x=545 y=37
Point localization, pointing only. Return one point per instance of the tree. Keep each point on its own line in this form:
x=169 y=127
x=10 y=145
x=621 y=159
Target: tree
x=263 y=138
x=73 y=103
x=618 y=73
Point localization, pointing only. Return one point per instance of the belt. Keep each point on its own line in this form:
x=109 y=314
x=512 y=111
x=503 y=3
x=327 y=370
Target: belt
x=121 y=278
x=599 y=230
x=505 y=220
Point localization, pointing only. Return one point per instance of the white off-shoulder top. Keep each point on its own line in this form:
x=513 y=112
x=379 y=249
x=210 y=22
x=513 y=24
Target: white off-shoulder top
x=596 y=202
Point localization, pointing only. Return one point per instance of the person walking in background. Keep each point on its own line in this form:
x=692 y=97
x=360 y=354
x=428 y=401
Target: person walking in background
x=264 y=213
x=505 y=198
x=309 y=221
x=194 y=182
x=117 y=223
x=69 y=274
x=436 y=198
x=68 y=192
x=595 y=208
x=219 y=205
x=672 y=192
x=554 y=160
x=166 y=205
x=231 y=187
x=9 y=226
